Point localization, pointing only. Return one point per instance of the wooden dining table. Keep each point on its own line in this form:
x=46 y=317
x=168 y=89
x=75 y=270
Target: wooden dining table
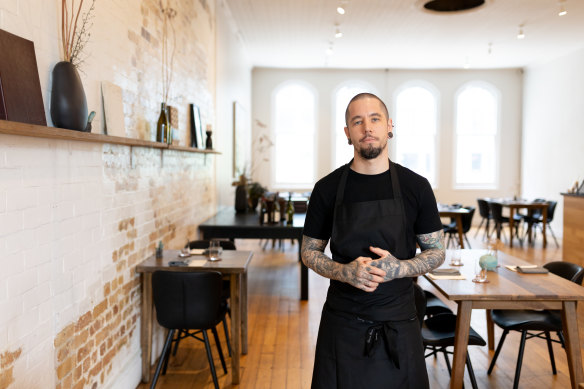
x=531 y=206
x=456 y=214
x=233 y=263
x=508 y=289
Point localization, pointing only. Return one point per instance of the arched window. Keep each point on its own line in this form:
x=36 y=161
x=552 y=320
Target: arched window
x=477 y=120
x=415 y=131
x=343 y=152
x=295 y=121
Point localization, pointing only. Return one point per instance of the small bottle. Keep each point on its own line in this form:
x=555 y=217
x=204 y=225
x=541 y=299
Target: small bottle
x=277 y=211
x=290 y=210
x=169 y=128
x=162 y=126
x=263 y=212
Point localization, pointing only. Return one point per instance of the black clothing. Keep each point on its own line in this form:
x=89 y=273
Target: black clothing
x=345 y=355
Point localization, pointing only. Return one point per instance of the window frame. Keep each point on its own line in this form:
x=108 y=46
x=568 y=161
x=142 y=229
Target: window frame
x=496 y=93
x=435 y=92
x=298 y=186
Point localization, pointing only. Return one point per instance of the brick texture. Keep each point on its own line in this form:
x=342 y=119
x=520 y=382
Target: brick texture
x=76 y=218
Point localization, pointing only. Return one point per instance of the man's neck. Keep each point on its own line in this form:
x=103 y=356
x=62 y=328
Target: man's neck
x=376 y=165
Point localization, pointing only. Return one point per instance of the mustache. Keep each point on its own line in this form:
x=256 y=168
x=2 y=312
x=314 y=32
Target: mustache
x=368 y=137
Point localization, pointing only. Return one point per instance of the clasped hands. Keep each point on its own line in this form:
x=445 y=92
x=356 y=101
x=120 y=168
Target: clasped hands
x=366 y=273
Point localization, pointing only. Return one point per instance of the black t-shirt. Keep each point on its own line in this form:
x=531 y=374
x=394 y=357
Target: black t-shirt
x=419 y=202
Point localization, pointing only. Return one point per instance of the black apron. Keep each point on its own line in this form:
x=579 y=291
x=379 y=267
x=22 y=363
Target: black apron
x=370 y=339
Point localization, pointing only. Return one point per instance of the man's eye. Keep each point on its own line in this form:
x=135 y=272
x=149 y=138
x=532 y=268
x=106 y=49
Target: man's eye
x=357 y=122
x=375 y=119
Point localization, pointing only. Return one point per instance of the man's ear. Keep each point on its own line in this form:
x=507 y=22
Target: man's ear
x=347 y=132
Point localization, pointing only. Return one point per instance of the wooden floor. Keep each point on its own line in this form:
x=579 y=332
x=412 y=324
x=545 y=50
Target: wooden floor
x=283 y=329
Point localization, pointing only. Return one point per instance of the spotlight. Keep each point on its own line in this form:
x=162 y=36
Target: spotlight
x=520 y=33
x=341 y=10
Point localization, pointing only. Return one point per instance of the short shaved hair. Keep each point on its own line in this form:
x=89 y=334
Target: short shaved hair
x=365 y=95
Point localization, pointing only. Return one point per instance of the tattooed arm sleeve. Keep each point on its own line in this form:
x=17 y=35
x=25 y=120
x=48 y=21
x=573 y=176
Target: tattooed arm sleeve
x=431 y=257
x=358 y=273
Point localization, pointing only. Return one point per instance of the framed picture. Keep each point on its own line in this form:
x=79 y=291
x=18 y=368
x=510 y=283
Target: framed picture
x=241 y=140
x=197 y=140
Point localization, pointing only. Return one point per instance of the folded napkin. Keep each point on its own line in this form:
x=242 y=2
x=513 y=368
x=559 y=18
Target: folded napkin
x=514 y=268
x=445 y=271
x=197 y=262
x=198 y=251
x=532 y=270
x=446 y=277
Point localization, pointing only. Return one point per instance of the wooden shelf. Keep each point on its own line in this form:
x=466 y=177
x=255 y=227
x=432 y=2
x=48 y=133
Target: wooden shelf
x=24 y=129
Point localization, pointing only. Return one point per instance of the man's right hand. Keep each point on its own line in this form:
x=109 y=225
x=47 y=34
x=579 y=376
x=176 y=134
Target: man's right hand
x=360 y=274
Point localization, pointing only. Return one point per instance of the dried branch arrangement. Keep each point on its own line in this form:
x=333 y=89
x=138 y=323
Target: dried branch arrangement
x=168 y=14
x=74 y=36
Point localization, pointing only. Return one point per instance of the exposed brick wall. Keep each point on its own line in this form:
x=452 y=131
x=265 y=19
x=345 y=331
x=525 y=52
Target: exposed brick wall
x=76 y=218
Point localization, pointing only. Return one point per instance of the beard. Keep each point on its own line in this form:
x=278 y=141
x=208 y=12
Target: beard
x=370 y=152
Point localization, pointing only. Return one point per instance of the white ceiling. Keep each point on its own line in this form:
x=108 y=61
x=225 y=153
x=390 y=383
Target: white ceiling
x=402 y=34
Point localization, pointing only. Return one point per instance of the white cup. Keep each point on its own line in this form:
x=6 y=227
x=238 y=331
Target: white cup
x=215 y=250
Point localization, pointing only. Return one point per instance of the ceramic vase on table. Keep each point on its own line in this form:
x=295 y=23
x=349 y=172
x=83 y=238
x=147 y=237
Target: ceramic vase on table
x=68 y=102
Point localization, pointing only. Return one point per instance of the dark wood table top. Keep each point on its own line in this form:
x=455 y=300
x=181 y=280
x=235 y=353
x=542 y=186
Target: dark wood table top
x=505 y=284
x=232 y=261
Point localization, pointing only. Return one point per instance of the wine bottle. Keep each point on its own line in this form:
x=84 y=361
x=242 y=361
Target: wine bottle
x=162 y=126
x=168 y=126
x=263 y=212
x=277 y=210
x=290 y=210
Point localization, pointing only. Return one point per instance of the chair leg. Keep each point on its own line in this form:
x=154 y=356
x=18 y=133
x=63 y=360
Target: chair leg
x=497 y=351
x=226 y=330
x=479 y=227
x=519 y=359
x=553 y=235
x=447 y=361
x=467 y=242
x=219 y=350
x=210 y=358
x=562 y=341
x=165 y=350
x=177 y=340
x=551 y=351
x=471 y=375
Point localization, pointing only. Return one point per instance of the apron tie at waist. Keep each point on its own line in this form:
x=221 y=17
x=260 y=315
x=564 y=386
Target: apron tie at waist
x=388 y=333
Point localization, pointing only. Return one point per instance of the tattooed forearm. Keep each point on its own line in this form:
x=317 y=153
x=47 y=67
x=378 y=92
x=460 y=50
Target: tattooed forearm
x=358 y=273
x=432 y=256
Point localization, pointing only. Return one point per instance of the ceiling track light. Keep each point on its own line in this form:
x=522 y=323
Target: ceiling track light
x=562 y=11
x=520 y=33
x=338 y=33
x=340 y=10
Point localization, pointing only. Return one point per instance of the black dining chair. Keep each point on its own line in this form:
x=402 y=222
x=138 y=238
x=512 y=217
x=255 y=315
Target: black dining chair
x=435 y=306
x=226 y=286
x=535 y=324
x=536 y=220
x=452 y=229
x=188 y=302
x=486 y=217
x=438 y=333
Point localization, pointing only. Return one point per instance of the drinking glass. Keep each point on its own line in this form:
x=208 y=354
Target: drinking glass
x=456 y=258
x=214 y=250
x=480 y=272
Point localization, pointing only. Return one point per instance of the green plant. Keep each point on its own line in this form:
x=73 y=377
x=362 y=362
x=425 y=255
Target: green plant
x=255 y=190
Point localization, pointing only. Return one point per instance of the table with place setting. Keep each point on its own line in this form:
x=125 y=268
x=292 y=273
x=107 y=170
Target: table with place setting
x=233 y=263
x=506 y=288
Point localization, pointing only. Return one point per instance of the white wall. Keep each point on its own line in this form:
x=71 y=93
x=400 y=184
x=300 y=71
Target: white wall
x=446 y=82
x=553 y=134
x=233 y=84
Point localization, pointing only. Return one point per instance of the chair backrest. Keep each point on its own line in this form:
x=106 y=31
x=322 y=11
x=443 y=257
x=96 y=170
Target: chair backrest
x=203 y=244
x=483 y=208
x=420 y=300
x=187 y=300
x=550 y=211
x=496 y=211
x=467 y=219
x=567 y=270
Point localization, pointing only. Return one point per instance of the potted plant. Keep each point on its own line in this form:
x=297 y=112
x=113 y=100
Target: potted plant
x=255 y=191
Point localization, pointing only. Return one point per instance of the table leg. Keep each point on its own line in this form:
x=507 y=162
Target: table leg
x=460 y=343
x=303 y=274
x=244 y=313
x=570 y=324
x=146 y=326
x=511 y=215
x=235 y=299
x=544 y=223
x=460 y=232
x=490 y=330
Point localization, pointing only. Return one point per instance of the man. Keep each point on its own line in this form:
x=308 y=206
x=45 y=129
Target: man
x=373 y=210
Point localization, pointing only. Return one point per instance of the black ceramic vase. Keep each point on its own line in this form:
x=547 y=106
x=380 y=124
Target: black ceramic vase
x=240 y=199
x=68 y=102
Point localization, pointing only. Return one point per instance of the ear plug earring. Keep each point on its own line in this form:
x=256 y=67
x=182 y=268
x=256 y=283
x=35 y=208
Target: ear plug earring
x=390 y=135
x=349 y=141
